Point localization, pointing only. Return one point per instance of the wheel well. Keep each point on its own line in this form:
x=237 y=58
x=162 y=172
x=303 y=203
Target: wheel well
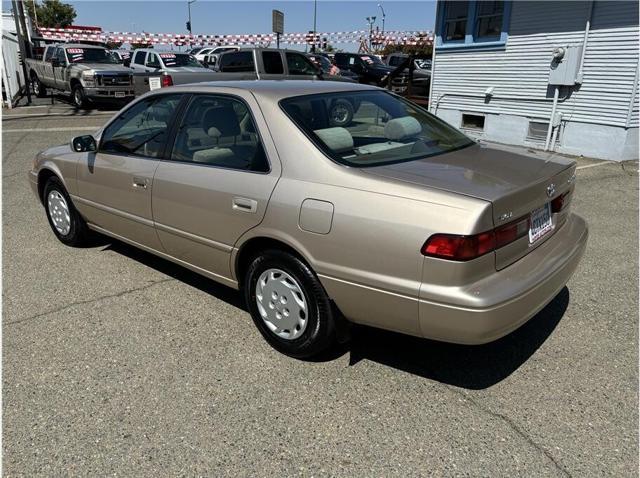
x=33 y=74
x=74 y=81
x=256 y=245
x=43 y=177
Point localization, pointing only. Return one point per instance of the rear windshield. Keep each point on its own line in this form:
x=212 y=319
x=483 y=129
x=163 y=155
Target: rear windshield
x=179 y=59
x=90 y=55
x=371 y=128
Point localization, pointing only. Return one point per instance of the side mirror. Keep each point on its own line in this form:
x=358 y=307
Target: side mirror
x=85 y=143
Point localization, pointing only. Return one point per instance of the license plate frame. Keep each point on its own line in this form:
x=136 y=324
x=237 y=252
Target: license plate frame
x=119 y=94
x=540 y=223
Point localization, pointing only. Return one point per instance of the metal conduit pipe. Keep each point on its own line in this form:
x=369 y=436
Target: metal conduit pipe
x=556 y=93
x=584 y=43
x=509 y=98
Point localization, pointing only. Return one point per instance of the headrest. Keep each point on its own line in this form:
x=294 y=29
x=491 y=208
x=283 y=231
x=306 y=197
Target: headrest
x=337 y=139
x=402 y=128
x=224 y=119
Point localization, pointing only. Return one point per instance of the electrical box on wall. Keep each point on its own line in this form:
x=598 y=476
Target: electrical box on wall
x=565 y=64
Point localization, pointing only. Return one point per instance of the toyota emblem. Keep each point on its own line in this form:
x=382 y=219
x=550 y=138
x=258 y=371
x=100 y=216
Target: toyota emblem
x=551 y=190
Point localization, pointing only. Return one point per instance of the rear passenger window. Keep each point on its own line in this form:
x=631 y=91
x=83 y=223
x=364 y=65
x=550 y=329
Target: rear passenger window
x=272 y=62
x=49 y=53
x=219 y=131
x=241 y=61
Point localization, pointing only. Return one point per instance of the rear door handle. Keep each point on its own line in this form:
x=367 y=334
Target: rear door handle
x=244 y=204
x=139 y=183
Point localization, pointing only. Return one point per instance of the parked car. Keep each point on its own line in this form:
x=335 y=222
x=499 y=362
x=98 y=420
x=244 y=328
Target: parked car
x=420 y=62
x=209 y=56
x=171 y=68
x=89 y=73
x=371 y=70
x=121 y=55
x=396 y=220
x=324 y=64
x=269 y=64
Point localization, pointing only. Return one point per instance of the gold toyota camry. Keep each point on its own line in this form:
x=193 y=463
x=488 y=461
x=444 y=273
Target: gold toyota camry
x=324 y=203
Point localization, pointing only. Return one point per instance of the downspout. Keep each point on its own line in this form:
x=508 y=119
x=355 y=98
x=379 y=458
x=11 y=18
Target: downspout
x=433 y=65
x=634 y=92
x=584 y=43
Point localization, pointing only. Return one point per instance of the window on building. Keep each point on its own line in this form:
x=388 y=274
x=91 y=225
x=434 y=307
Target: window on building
x=489 y=16
x=455 y=20
x=473 y=23
x=473 y=122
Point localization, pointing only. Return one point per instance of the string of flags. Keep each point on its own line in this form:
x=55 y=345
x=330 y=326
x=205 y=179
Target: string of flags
x=377 y=38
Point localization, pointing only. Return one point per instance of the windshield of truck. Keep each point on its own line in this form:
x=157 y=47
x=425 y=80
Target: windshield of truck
x=371 y=128
x=90 y=55
x=172 y=60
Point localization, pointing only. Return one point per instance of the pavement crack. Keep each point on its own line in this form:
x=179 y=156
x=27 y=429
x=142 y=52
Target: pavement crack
x=88 y=301
x=513 y=426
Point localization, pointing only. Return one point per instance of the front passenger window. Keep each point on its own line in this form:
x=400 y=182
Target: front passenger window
x=142 y=129
x=219 y=131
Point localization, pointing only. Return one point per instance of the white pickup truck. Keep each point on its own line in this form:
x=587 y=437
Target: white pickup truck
x=90 y=73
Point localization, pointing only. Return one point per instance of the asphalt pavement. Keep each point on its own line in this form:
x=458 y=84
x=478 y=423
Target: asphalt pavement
x=119 y=363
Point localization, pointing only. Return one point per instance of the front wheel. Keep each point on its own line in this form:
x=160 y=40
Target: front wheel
x=78 y=96
x=65 y=221
x=289 y=305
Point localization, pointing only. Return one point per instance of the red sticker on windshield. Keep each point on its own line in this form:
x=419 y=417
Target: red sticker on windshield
x=75 y=50
x=167 y=55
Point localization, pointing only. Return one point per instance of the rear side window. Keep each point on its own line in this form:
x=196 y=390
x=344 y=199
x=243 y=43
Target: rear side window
x=272 y=61
x=219 y=131
x=139 y=57
x=142 y=129
x=153 y=61
x=241 y=61
x=49 y=54
x=299 y=65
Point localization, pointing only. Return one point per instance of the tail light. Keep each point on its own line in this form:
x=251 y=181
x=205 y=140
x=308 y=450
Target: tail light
x=464 y=248
x=166 y=81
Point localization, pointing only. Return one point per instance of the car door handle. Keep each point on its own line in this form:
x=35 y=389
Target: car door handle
x=139 y=183
x=244 y=204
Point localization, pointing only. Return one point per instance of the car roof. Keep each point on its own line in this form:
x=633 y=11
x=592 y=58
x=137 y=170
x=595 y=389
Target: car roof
x=275 y=90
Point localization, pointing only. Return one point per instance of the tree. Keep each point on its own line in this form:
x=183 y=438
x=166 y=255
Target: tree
x=51 y=13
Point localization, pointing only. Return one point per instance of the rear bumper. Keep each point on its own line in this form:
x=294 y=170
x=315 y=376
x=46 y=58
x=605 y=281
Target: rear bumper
x=495 y=306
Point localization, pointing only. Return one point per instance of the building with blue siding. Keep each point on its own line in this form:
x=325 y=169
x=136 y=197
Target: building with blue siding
x=556 y=75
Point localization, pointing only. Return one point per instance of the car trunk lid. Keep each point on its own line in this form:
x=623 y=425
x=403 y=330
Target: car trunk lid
x=516 y=185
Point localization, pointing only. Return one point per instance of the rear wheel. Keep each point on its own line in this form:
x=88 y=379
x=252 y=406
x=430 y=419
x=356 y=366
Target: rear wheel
x=38 y=88
x=65 y=221
x=289 y=305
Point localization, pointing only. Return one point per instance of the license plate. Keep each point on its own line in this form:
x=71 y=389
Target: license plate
x=540 y=223
x=119 y=94
x=154 y=83
x=399 y=89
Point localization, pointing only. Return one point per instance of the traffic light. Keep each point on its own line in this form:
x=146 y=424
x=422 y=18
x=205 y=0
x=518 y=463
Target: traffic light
x=324 y=43
x=189 y=26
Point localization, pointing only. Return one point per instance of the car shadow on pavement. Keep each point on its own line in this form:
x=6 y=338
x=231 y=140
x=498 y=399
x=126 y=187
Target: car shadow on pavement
x=466 y=366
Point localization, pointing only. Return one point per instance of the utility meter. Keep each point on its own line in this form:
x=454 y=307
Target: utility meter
x=565 y=63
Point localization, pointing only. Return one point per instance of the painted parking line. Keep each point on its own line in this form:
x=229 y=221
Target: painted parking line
x=595 y=165
x=34 y=130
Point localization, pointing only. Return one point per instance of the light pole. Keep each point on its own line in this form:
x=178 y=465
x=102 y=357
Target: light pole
x=189 y=2
x=315 y=11
x=383 y=17
x=370 y=21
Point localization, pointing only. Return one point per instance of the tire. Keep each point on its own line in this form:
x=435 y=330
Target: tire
x=38 y=88
x=78 y=96
x=340 y=113
x=65 y=221
x=300 y=332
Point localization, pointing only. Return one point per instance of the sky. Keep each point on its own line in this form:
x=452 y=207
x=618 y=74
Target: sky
x=228 y=17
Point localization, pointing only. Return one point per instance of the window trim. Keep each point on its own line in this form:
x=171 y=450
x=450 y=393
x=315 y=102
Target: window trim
x=182 y=111
x=470 y=40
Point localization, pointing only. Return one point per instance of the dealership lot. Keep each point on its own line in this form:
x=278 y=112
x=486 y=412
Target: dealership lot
x=116 y=362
